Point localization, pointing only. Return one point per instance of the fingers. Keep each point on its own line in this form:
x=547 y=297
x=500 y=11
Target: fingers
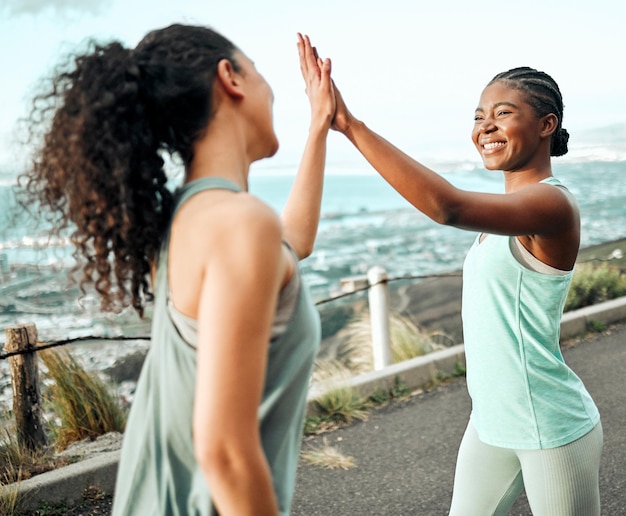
x=301 y=44
x=318 y=83
x=325 y=67
x=310 y=62
x=314 y=50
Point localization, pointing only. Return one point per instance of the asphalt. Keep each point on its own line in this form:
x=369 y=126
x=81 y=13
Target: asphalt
x=405 y=453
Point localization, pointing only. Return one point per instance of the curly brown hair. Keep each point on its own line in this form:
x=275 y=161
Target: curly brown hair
x=100 y=127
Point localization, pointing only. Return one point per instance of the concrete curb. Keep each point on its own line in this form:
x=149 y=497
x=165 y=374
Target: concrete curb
x=579 y=321
x=67 y=484
x=413 y=373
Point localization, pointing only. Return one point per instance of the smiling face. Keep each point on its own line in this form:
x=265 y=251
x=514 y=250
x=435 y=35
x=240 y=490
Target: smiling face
x=507 y=131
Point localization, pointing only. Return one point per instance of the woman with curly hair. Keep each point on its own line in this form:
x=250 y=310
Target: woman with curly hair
x=216 y=423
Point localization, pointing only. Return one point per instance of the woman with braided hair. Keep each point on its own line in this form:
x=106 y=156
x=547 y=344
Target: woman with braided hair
x=217 y=418
x=533 y=424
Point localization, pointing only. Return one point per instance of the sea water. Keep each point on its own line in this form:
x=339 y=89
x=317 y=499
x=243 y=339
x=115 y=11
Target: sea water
x=364 y=223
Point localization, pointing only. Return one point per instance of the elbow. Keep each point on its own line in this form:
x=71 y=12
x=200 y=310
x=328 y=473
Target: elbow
x=304 y=251
x=446 y=208
x=448 y=211
x=450 y=218
x=446 y=216
x=216 y=460
x=211 y=458
x=303 y=247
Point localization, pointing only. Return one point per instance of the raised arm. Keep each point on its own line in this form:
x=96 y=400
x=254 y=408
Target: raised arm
x=301 y=214
x=534 y=209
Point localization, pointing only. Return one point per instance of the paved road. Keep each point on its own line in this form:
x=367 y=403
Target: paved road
x=405 y=453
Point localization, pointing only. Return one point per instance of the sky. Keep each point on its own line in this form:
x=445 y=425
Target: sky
x=412 y=70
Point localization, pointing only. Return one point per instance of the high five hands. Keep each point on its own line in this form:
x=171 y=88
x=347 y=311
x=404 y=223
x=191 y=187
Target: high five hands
x=315 y=69
x=319 y=87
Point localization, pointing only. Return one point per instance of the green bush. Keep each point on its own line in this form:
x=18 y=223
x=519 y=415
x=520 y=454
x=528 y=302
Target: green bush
x=593 y=284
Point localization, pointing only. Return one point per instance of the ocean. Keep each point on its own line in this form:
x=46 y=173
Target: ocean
x=364 y=223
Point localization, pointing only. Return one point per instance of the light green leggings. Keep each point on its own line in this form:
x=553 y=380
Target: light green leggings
x=560 y=481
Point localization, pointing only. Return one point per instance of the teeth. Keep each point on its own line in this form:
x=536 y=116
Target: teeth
x=493 y=145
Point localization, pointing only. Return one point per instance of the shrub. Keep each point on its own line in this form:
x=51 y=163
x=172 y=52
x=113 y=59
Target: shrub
x=593 y=284
x=81 y=401
x=343 y=404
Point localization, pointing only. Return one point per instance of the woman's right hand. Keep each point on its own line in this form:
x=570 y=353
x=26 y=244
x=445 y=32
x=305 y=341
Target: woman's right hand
x=316 y=75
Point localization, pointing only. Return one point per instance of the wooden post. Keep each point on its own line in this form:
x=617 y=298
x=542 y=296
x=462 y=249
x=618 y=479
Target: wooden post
x=379 y=317
x=25 y=383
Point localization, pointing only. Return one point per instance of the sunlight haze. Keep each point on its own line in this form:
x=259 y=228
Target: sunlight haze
x=412 y=70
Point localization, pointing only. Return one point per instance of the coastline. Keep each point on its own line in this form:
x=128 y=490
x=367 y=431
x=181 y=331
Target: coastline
x=433 y=303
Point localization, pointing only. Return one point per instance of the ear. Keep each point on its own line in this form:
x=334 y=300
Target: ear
x=230 y=79
x=548 y=124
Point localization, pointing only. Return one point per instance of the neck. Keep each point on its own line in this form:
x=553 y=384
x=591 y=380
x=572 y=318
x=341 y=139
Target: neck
x=221 y=152
x=515 y=180
x=539 y=167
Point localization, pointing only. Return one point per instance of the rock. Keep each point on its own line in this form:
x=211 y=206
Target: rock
x=88 y=448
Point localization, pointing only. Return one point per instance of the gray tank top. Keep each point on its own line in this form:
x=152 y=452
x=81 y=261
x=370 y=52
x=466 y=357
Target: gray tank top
x=158 y=473
x=188 y=326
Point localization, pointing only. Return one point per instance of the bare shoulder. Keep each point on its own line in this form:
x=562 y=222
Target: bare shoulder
x=211 y=212
x=559 y=217
x=550 y=198
x=250 y=215
x=235 y=237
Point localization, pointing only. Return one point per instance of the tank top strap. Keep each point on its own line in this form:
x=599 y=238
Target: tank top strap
x=552 y=181
x=181 y=196
x=188 y=190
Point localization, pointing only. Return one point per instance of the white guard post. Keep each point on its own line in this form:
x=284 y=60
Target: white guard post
x=379 y=317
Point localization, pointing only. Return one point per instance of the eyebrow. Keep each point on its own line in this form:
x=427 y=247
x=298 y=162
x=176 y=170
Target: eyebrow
x=497 y=105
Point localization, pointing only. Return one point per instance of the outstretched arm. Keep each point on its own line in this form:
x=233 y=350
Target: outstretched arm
x=535 y=209
x=300 y=217
x=426 y=190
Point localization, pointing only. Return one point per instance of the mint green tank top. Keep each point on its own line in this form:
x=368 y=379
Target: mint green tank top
x=158 y=473
x=524 y=396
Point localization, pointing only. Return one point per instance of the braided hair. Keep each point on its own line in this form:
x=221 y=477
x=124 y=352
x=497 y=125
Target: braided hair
x=100 y=128
x=544 y=95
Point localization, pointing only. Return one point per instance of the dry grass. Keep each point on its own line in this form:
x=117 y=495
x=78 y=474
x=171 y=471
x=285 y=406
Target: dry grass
x=10 y=502
x=81 y=401
x=353 y=354
x=328 y=457
x=18 y=462
x=84 y=408
x=330 y=369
